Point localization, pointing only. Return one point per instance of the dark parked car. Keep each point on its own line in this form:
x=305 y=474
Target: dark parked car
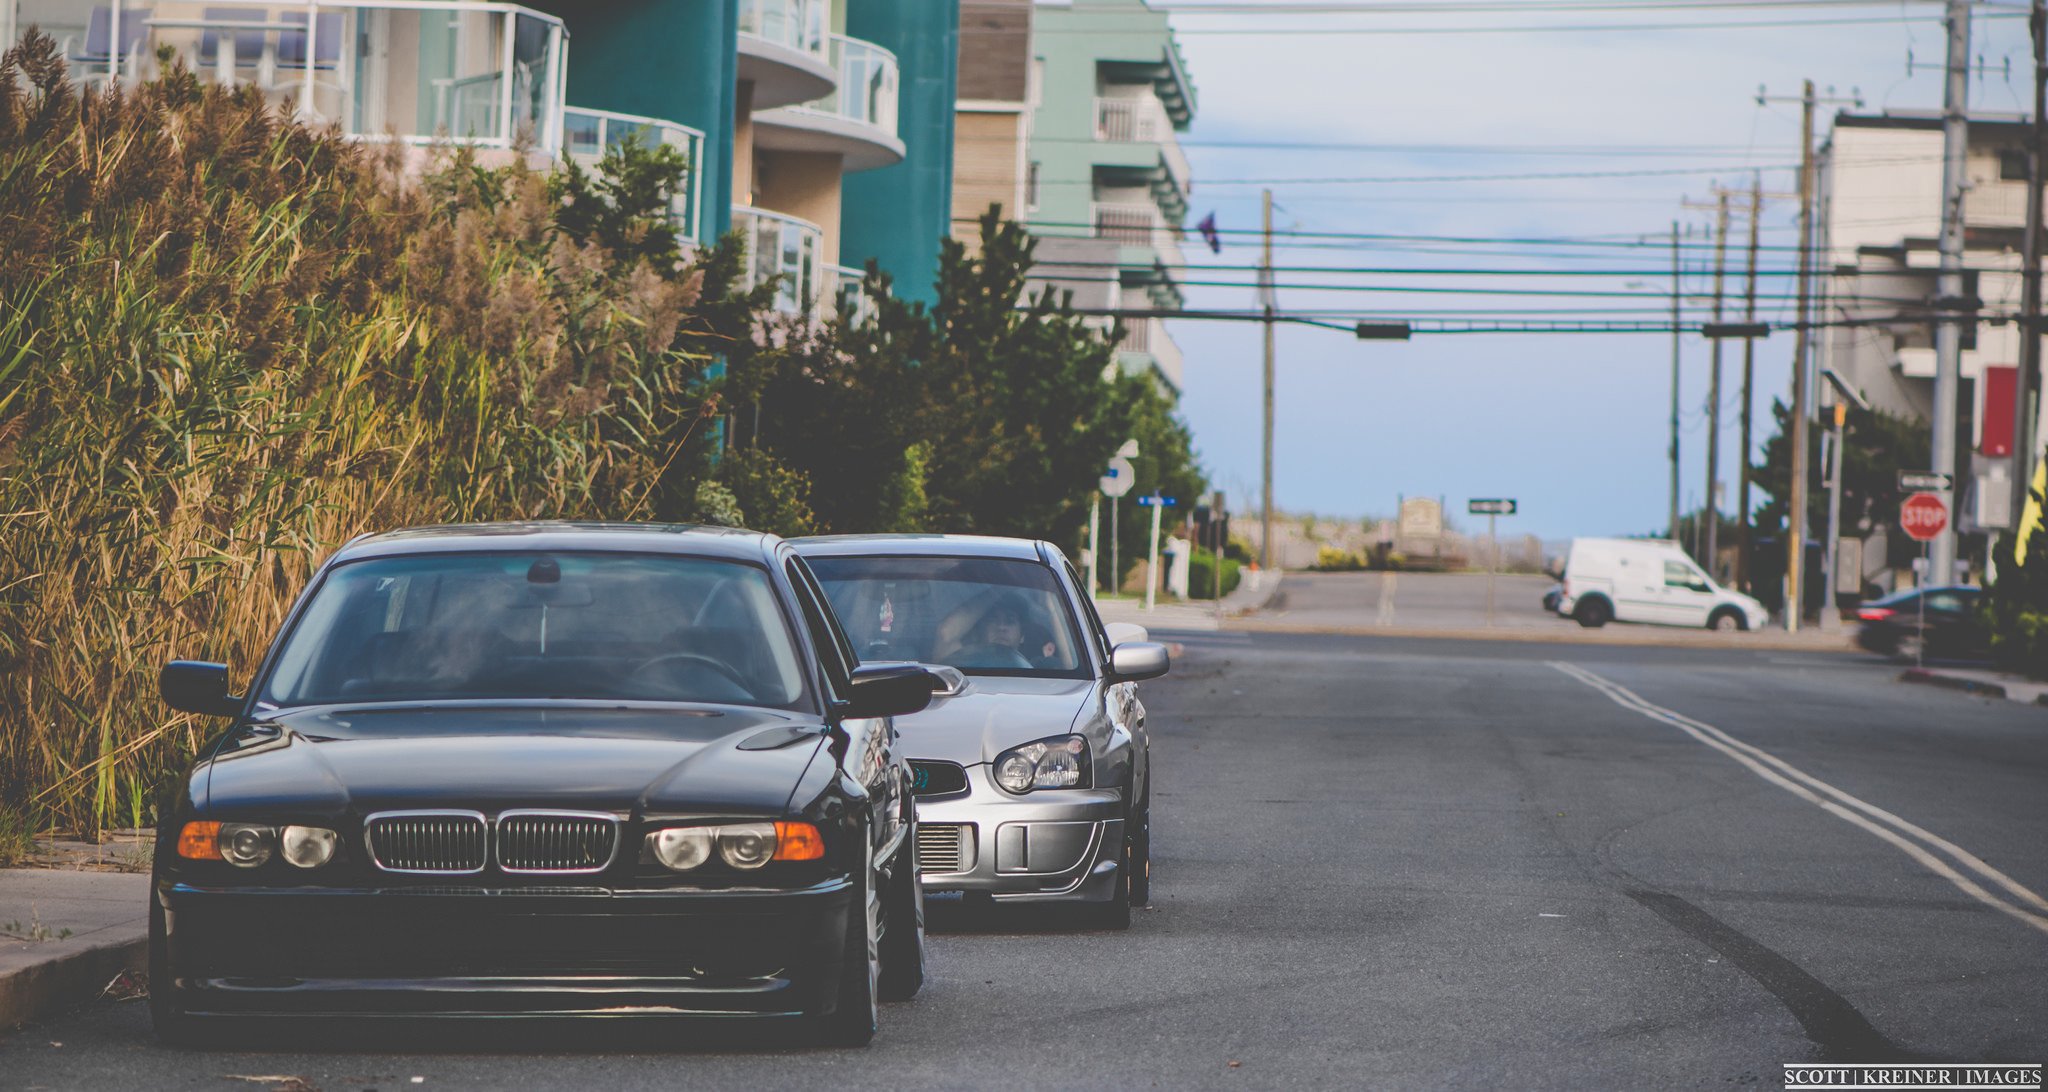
x=1034 y=775
x=545 y=770
x=1944 y=626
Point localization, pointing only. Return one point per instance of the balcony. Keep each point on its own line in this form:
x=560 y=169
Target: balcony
x=785 y=250
x=476 y=73
x=1148 y=349
x=857 y=121
x=785 y=51
x=850 y=299
x=1147 y=150
x=588 y=134
x=1148 y=247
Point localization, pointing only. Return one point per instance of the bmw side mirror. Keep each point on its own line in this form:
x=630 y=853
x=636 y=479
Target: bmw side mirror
x=890 y=690
x=1134 y=660
x=190 y=686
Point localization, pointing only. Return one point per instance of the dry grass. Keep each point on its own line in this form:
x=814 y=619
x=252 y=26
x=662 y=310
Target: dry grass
x=228 y=343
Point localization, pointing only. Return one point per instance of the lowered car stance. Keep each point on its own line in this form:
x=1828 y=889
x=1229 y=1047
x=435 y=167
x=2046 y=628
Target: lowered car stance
x=542 y=770
x=1032 y=766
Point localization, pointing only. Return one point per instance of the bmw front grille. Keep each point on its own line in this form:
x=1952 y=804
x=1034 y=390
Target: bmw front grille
x=556 y=841
x=438 y=843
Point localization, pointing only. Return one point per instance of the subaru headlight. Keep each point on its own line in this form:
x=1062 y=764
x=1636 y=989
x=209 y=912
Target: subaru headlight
x=1060 y=762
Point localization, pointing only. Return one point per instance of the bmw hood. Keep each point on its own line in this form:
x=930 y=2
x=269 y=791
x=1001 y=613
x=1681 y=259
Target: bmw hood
x=993 y=714
x=335 y=761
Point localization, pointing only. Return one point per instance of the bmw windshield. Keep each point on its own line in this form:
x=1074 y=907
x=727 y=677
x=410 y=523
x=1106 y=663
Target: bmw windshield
x=528 y=625
x=985 y=616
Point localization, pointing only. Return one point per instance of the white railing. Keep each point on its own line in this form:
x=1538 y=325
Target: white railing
x=801 y=25
x=588 y=134
x=867 y=84
x=783 y=249
x=850 y=299
x=1143 y=121
x=1148 y=337
x=1140 y=224
x=479 y=73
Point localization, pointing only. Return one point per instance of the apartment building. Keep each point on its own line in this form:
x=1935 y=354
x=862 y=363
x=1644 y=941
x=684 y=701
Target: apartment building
x=780 y=106
x=992 y=118
x=1106 y=183
x=1880 y=226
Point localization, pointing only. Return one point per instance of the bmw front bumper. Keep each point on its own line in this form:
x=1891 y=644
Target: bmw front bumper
x=1048 y=845
x=477 y=952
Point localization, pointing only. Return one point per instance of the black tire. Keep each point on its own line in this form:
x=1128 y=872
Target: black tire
x=854 y=1014
x=1116 y=913
x=902 y=972
x=1140 y=825
x=167 y=1014
x=1592 y=612
x=1727 y=620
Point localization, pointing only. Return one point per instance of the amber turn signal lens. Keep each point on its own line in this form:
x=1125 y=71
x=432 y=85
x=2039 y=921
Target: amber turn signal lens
x=199 y=842
x=798 y=842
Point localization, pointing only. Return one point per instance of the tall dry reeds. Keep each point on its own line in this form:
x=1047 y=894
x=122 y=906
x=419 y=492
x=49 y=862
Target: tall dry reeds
x=228 y=343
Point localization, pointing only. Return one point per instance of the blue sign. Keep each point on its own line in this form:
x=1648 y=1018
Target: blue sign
x=1164 y=502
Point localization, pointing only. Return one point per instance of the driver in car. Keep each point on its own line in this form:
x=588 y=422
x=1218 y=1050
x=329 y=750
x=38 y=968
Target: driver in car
x=996 y=640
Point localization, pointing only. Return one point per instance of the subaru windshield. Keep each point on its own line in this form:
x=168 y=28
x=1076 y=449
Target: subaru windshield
x=985 y=616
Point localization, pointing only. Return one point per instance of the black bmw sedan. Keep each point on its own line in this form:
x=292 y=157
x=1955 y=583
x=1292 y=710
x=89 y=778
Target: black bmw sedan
x=545 y=770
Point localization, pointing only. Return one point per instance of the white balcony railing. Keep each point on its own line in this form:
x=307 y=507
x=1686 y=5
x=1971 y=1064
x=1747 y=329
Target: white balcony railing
x=850 y=299
x=783 y=249
x=1147 y=337
x=867 y=84
x=1143 y=121
x=479 y=73
x=588 y=134
x=1139 y=225
x=802 y=25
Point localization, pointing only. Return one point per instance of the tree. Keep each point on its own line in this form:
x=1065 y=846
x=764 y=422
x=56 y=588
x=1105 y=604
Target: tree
x=1875 y=447
x=2016 y=607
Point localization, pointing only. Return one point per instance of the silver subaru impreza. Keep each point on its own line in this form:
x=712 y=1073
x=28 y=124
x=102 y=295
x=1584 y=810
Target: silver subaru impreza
x=1032 y=770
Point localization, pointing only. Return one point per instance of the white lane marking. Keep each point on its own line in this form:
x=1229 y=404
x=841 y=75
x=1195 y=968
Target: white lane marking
x=1836 y=802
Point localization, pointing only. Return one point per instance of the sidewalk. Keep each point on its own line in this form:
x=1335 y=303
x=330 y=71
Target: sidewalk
x=65 y=934
x=1993 y=684
x=1252 y=593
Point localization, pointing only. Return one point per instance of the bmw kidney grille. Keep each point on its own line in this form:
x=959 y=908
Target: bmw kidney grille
x=451 y=843
x=432 y=842
x=556 y=841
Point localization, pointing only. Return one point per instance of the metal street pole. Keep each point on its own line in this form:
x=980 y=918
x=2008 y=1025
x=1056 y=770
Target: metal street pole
x=1266 y=290
x=1094 y=541
x=1950 y=311
x=1152 y=564
x=1711 y=513
x=1795 y=516
x=2024 y=434
x=1830 y=615
x=1116 y=572
x=1492 y=563
x=1676 y=339
x=1756 y=215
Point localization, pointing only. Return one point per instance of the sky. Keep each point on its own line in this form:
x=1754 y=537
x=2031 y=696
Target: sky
x=1573 y=426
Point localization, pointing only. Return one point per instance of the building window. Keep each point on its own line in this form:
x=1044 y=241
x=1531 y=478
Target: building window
x=2012 y=165
x=1031 y=186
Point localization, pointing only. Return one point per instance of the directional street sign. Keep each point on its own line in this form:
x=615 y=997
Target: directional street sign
x=1167 y=502
x=1925 y=481
x=1119 y=478
x=1923 y=516
x=1490 y=507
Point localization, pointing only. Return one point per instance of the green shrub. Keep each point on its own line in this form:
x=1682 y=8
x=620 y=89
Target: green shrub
x=1202 y=574
x=2016 y=607
x=1330 y=559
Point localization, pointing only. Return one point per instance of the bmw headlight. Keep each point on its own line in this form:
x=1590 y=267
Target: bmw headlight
x=308 y=847
x=246 y=845
x=1057 y=763
x=744 y=846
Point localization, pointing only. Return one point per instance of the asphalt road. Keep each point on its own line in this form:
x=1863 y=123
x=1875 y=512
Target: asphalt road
x=1422 y=863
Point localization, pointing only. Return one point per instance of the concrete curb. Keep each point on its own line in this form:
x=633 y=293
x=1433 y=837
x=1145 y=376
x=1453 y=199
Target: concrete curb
x=1257 y=600
x=76 y=971
x=1756 y=642
x=1951 y=682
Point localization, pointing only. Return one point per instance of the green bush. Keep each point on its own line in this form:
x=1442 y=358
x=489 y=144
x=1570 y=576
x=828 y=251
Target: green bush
x=1202 y=574
x=2016 y=608
x=1330 y=559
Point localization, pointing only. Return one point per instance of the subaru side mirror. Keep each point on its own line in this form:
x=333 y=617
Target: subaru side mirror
x=1134 y=660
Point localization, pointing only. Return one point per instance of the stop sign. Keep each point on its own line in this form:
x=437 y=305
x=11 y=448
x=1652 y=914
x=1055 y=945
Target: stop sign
x=1923 y=515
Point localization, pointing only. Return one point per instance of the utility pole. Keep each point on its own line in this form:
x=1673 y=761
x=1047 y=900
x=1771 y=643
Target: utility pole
x=1710 y=512
x=1676 y=339
x=1950 y=308
x=1756 y=215
x=1266 y=292
x=2024 y=440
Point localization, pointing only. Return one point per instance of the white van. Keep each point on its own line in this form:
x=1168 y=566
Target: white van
x=1649 y=580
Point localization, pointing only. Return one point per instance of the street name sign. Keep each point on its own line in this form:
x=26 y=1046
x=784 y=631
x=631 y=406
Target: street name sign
x=1925 y=481
x=1923 y=516
x=1147 y=502
x=1490 y=507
